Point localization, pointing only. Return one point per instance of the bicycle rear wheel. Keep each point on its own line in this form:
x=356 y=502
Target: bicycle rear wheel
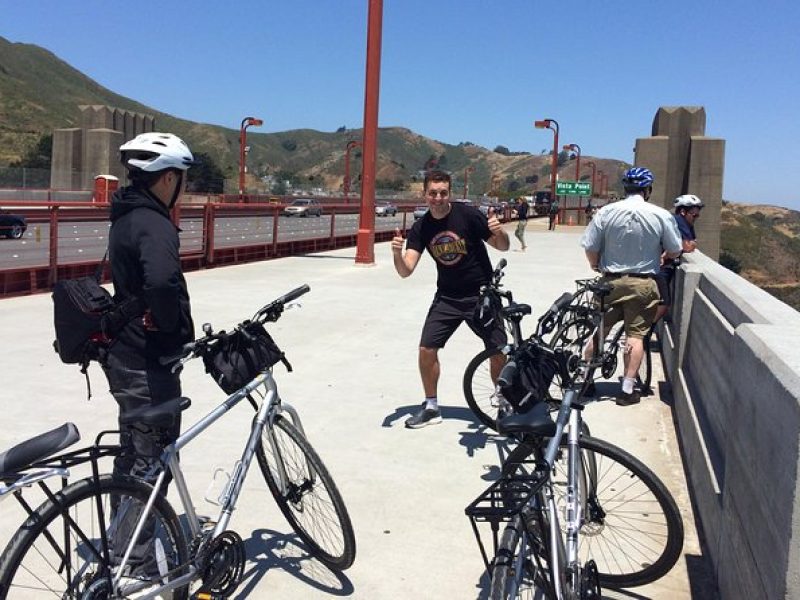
x=309 y=499
x=59 y=551
x=630 y=525
x=480 y=390
x=516 y=572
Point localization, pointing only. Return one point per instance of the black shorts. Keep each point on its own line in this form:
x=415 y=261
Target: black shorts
x=446 y=314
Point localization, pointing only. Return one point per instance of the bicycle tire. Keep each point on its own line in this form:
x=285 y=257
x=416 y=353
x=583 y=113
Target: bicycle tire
x=514 y=576
x=639 y=520
x=480 y=389
x=307 y=477
x=24 y=563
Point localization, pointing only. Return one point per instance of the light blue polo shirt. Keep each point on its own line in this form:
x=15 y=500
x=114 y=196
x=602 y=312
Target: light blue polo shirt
x=630 y=236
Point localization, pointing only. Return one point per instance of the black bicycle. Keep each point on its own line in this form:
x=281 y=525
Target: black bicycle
x=582 y=317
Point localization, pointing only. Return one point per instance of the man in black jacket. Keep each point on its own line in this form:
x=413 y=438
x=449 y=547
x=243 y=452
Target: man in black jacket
x=146 y=268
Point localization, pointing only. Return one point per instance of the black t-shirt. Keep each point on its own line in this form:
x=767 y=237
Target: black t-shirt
x=456 y=243
x=522 y=210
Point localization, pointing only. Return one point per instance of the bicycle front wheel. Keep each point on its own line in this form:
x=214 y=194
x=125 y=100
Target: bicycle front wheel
x=480 y=389
x=72 y=548
x=306 y=494
x=630 y=525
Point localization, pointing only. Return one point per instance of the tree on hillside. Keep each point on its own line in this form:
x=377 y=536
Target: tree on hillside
x=39 y=156
x=502 y=150
x=729 y=261
x=431 y=163
x=206 y=176
x=563 y=156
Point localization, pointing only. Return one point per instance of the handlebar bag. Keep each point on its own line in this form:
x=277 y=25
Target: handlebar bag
x=236 y=359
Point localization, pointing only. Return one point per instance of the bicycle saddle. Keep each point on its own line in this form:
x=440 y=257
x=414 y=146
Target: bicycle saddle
x=38 y=448
x=161 y=415
x=515 y=311
x=536 y=421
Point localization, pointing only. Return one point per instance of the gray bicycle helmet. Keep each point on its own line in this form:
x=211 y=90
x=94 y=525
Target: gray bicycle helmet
x=688 y=201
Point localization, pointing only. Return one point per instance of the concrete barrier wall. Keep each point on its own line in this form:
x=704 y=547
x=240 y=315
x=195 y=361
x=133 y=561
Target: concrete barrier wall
x=732 y=354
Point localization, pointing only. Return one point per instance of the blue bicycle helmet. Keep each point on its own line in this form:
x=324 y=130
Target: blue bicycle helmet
x=639 y=177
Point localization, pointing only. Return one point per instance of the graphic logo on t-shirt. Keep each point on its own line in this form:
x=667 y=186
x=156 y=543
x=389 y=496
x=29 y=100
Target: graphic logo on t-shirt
x=447 y=248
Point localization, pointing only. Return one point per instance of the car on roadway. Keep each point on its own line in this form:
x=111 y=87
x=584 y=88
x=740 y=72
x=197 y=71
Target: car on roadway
x=499 y=210
x=12 y=226
x=419 y=211
x=385 y=209
x=303 y=207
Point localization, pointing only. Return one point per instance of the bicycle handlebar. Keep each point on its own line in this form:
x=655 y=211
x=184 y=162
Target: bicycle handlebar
x=269 y=312
x=273 y=310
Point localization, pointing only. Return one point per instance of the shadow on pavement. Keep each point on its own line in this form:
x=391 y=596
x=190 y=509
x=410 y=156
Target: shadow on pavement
x=267 y=549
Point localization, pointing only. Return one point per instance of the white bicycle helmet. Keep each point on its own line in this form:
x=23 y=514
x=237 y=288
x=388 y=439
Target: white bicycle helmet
x=156 y=152
x=688 y=201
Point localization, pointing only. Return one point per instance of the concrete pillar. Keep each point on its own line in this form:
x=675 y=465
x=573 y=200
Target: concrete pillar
x=653 y=153
x=67 y=159
x=97 y=116
x=148 y=124
x=101 y=151
x=685 y=161
x=678 y=123
x=706 y=167
x=130 y=125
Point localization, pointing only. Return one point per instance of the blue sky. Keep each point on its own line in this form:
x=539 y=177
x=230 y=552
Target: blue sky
x=469 y=70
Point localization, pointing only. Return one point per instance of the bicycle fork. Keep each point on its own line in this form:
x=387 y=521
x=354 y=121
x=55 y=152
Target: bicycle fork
x=574 y=505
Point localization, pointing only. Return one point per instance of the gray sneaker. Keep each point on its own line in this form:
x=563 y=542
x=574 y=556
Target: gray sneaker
x=425 y=416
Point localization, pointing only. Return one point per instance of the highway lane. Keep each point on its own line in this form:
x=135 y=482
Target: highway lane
x=87 y=241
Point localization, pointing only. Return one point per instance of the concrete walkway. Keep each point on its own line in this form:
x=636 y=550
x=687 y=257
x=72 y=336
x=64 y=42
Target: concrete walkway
x=353 y=345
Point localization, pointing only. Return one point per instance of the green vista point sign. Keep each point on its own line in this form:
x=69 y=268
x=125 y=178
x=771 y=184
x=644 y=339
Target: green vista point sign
x=573 y=188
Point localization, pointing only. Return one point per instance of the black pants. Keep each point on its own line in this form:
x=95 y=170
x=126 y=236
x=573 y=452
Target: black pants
x=141 y=446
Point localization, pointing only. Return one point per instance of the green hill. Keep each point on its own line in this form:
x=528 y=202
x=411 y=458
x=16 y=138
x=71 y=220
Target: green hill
x=39 y=93
x=765 y=243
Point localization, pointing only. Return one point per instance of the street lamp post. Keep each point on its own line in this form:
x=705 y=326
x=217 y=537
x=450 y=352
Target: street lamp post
x=590 y=163
x=551 y=124
x=600 y=176
x=246 y=122
x=346 y=186
x=467 y=171
x=577 y=150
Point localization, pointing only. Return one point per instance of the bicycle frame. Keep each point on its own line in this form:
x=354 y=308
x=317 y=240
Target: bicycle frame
x=270 y=407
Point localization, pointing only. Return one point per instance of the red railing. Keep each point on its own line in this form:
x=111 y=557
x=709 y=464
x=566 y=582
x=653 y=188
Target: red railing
x=67 y=240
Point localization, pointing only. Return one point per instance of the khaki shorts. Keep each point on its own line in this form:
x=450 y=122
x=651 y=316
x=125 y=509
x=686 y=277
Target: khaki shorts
x=634 y=300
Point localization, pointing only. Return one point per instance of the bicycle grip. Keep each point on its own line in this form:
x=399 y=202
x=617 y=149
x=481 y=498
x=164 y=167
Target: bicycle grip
x=294 y=294
x=562 y=302
x=501 y=265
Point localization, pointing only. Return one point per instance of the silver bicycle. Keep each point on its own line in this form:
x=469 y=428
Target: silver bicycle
x=116 y=537
x=579 y=513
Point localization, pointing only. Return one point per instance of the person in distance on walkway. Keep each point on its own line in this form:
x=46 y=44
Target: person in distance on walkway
x=522 y=221
x=454 y=235
x=553 y=214
x=687 y=209
x=625 y=241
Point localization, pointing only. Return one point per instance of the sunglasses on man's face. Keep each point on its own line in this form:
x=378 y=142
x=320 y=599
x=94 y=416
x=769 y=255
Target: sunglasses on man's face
x=439 y=193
